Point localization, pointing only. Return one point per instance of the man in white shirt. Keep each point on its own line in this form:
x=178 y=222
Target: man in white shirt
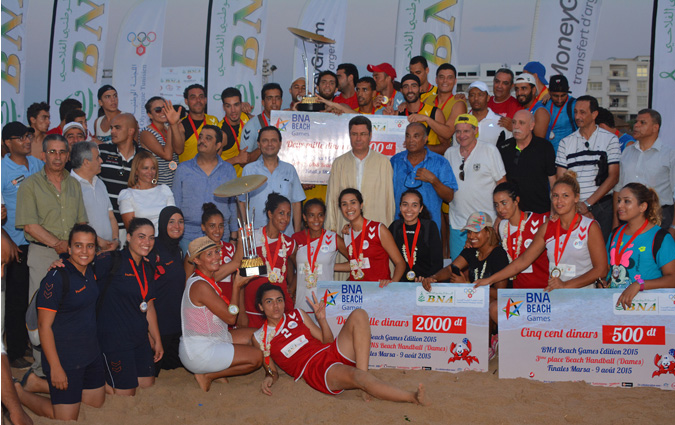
x=651 y=162
x=489 y=129
x=478 y=169
x=86 y=162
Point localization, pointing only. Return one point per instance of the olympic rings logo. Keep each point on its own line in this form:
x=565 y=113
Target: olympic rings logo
x=141 y=40
x=469 y=292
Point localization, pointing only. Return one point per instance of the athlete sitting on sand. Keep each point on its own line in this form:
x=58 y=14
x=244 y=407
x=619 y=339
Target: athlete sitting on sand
x=327 y=364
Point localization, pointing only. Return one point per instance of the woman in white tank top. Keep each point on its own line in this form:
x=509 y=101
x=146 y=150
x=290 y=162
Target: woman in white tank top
x=207 y=348
x=573 y=243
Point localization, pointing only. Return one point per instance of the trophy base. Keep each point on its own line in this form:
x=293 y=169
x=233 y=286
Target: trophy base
x=310 y=104
x=254 y=266
x=253 y=271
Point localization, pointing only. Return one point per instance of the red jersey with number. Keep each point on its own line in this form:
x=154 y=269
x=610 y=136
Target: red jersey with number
x=293 y=346
x=535 y=276
x=226 y=255
x=375 y=258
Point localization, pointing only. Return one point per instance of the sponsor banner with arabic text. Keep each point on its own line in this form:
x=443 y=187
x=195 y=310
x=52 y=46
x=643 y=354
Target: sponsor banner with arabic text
x=428 y=28
x=445 y=329
x=138 y=57
x=13 y=60
x=311 y=141
x=581 y=335
x=80 y=33
x=175 y=79
x=234 y=56
x=663 y=78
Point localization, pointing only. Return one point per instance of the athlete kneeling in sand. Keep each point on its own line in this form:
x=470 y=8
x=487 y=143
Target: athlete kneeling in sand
x=327 y=364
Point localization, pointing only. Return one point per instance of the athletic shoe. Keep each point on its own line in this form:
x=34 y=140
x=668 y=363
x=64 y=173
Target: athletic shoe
x=20 y=363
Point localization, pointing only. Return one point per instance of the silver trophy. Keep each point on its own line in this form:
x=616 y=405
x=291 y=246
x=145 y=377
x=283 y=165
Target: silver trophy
x=309 y=102
x=251 y=264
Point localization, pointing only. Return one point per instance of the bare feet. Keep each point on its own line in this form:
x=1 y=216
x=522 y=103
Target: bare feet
x=421 y=396
x=222 y=380
x=366 y=396
x=203 y=381
x=35 y=384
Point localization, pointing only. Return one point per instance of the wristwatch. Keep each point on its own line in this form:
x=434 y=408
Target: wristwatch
x=589 y=206
x=638 y=279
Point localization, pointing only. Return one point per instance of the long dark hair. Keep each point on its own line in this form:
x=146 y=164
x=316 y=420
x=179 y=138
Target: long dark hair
x=424 y=214
x=267 y=286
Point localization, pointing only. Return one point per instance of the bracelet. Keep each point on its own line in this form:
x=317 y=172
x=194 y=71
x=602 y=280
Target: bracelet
x=638 y=280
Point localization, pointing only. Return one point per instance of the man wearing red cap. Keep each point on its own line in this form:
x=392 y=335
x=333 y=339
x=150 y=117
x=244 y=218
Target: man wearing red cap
x=384 y=75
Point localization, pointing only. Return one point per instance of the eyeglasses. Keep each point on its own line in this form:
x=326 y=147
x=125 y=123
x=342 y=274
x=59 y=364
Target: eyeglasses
x=158 y=109
x=411 y=182
x=57 y=152
x=588 y=145
x=24 y=137
x=461 y=170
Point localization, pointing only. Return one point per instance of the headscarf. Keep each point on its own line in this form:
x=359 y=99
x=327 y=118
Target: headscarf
x=172 y=245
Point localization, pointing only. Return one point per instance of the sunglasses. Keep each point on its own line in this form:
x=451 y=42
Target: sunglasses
x=516 y=157
x=158 y=109
x=461 y=170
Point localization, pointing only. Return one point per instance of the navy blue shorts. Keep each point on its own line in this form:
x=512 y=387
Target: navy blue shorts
x=123 y=368
x=88 y=377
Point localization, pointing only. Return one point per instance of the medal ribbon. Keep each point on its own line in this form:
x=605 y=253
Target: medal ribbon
x=264 y=341
x=411 y=260
x=312 y=260
x=356 y=253
x=194 y=129
x=444 y=103
x=144 y=289
x=556 y=117
x=512 y=248
x=276 y=251
x=557 y=257
x=618 y=253
x=152 y=124
x=234 y=133
x=215 y=287
x=535 y=101
x=267 y=124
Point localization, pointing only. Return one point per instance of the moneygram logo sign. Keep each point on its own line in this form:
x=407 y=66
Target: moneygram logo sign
x=141 y=41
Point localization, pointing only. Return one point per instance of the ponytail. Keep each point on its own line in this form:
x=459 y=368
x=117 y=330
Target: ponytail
x=644 y=194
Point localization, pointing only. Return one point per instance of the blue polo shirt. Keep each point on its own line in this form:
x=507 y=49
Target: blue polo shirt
x=74 y=325
x=12 y=176
x=121 y=323
x=284 y=181
x=404 y=179
x=192 y=188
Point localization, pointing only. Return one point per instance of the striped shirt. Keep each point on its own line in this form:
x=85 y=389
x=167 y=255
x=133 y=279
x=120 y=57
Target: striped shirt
x=115 y=172
x=573 y=154
x=165 y=174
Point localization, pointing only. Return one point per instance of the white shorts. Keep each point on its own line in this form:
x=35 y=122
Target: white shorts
x=208 y=355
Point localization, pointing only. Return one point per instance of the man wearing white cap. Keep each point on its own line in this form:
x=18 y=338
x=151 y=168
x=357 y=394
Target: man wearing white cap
x=74 y=132
x=526 y=94
x=489 y=130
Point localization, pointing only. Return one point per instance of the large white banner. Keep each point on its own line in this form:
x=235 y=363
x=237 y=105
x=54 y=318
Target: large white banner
x=329 y=19
x=445 y=329
x=76 y=64
x=311 y=141
x=581 y=335
x=429 y=28
x=138 y=57
x=565 y=39
x=235 y=46
x=175 y=79
x=13 y=60
x=663 y=79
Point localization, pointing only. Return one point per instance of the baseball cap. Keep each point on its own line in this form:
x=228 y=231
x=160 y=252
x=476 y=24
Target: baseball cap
x=559 y=84
x=467 y=119
x=407 y=77
x=478 y=221
x=538 y=69
x=526 y=78
x=199 y=245
x=383 y=67
x=72 y=125
x=15 y=129
x=480 y=86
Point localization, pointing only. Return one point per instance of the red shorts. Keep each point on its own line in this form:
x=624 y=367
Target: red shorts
x=316 y=369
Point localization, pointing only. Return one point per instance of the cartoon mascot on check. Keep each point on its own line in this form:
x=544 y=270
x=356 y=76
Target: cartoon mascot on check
x=461 y=351
x=665 y=364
